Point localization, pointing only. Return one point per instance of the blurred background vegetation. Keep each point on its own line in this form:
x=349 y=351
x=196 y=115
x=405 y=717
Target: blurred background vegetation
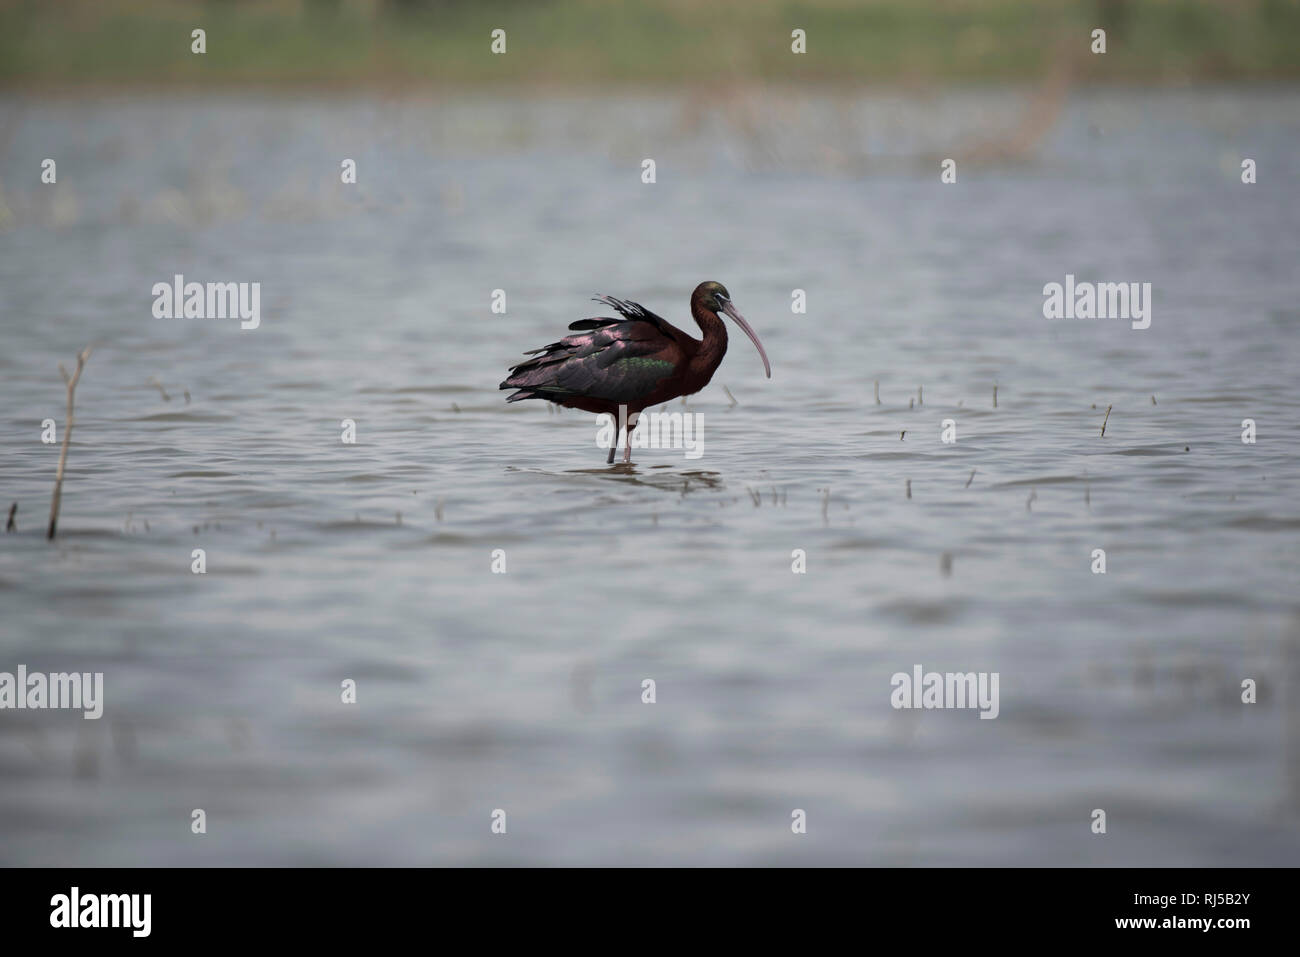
x=412 y=43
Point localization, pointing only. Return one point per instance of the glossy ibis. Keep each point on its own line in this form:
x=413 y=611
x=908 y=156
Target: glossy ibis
x=637 y=361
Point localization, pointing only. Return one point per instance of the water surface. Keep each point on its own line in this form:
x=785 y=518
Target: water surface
x=523 y=691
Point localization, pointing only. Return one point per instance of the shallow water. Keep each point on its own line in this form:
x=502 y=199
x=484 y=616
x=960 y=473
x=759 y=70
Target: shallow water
x=522 y=691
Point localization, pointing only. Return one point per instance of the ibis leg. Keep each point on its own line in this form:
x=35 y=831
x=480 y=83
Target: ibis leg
x=631 y=424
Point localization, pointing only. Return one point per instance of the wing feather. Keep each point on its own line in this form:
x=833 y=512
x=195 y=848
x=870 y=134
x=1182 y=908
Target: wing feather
x=619 y=360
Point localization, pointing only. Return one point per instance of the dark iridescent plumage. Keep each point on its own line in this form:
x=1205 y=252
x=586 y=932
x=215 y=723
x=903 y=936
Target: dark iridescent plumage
x=638 y=361
x=616 y=360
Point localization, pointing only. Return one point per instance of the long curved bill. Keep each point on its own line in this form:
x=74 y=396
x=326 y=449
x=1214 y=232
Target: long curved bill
x=739 y=320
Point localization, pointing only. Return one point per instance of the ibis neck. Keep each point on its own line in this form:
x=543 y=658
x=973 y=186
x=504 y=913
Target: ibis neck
x=714 y=344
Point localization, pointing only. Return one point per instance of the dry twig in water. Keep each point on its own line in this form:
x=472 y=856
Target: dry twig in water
x=71 y=382
x=153 y=381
